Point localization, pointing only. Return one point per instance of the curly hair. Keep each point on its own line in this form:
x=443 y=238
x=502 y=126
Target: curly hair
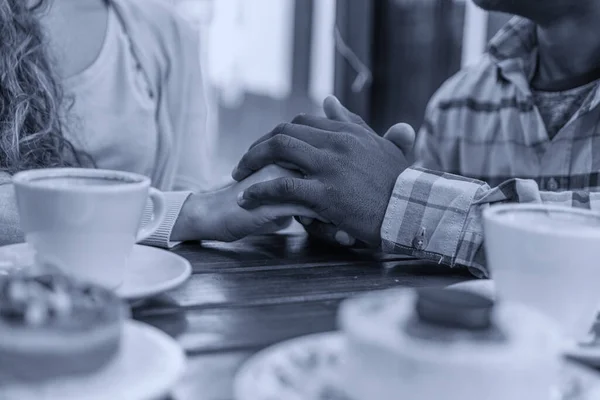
x=31 y=129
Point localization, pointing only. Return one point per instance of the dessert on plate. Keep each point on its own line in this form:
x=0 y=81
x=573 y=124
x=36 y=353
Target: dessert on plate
x=440 y=343
x=52 y=326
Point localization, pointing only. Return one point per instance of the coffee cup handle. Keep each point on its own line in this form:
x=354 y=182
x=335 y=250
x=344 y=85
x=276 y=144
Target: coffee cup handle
x=159 y=210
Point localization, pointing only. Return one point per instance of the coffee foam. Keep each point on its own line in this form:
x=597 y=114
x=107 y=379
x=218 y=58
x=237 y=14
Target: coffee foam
x=551 y=221
x=78 y=181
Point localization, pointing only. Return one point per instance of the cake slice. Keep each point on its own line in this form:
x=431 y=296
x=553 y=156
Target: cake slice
x=52 y=326
x=441 y=344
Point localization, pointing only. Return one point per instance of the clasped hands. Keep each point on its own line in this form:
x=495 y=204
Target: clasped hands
x=334 y=173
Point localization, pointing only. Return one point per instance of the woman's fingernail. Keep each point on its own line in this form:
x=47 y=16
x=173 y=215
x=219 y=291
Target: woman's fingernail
x=343 y=238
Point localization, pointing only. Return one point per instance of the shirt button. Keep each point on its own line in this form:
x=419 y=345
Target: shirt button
x=420 y=241
x=552 y=184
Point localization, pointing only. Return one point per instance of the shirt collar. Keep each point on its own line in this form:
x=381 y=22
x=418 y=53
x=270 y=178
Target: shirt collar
x=514 y=49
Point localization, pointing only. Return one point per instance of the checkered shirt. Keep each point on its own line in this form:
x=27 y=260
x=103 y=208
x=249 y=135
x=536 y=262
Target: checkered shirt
x=484 y=142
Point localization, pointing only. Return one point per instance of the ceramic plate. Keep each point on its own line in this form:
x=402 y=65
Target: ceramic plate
x=299 y=369
x=307 y=368
x=148 y=365
x=151 y=271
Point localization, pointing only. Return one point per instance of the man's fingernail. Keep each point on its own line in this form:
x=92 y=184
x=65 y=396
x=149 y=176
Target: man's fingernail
x=240 y=199
x=235 y=171
x=343 y=238
x=306 y=221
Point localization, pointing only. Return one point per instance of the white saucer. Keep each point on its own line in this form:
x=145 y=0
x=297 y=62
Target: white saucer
x=149 y=365
x=303 y=368
x=151 y=270
x=307 y=368
x=589 y=355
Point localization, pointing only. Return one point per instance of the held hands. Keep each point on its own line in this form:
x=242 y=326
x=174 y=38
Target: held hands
x=402 y=135
x=348 y=172
x=224 y=220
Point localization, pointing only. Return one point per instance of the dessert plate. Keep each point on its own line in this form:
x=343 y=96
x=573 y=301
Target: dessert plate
x=586 y=353
x=307 y=368
x=148 y=366
x=298 y=369
x=151 y=271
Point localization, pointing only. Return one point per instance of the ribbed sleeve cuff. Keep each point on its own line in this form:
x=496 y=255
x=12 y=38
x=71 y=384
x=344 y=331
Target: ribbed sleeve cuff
x=162 y=237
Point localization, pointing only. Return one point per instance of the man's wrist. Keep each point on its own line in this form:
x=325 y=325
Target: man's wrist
x=386 y=201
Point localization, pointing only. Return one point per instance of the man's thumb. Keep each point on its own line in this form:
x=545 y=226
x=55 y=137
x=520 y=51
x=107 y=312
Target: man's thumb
x=334 y=110
x=402 y=135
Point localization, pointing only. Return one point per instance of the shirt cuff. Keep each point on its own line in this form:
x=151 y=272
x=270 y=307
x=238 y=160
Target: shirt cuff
x=162 y=237
x=427 y=215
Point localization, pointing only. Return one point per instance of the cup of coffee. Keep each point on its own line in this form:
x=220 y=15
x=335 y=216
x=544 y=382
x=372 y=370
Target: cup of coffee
x=86 y=221
x=547 y=257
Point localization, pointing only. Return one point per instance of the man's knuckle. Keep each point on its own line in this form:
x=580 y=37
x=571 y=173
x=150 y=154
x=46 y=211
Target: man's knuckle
x=288 y=186
x=327 y=190
x=274 y=144
x=299 y=119
x=281 y=142
x=343 y=142
x=281 y=128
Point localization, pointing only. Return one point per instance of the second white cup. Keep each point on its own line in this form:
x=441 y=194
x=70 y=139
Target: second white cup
x=547 y=257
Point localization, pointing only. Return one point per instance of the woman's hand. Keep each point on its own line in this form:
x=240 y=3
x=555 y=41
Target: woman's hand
x=217 y=215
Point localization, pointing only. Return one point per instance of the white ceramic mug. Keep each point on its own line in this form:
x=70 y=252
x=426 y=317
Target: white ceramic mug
x=547 y=257
x=86 y=221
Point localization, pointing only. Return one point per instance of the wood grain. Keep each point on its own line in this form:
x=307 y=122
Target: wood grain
x=250 y=294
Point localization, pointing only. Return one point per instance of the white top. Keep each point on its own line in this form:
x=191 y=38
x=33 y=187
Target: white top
x=113 y=114
x=140 y=107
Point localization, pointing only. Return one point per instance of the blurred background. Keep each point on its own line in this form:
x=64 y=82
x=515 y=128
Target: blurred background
x=268 y=60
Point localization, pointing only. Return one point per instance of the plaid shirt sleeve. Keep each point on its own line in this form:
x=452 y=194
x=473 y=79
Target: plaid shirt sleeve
x=438 y=216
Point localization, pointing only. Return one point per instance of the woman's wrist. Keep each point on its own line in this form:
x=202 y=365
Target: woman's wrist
x=195 y=221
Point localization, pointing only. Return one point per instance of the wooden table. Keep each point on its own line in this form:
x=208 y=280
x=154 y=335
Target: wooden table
x=247 y=295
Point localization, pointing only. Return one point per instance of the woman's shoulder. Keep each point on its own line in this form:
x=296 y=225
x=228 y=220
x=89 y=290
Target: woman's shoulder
x=148 y=11
x=155 y=20
x=161 y=37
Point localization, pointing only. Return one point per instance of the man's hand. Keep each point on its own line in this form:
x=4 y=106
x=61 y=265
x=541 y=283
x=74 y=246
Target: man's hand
x=349 y=172
x=402 y=135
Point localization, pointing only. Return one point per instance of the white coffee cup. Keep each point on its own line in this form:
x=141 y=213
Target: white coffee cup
x=547 y=257
x=86 y=221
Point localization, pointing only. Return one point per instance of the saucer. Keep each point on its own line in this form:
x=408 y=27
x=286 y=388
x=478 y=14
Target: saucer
x=150 y=271
x=588 y=354
x=307 y=368
x=303 y=368
x=148 y=366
